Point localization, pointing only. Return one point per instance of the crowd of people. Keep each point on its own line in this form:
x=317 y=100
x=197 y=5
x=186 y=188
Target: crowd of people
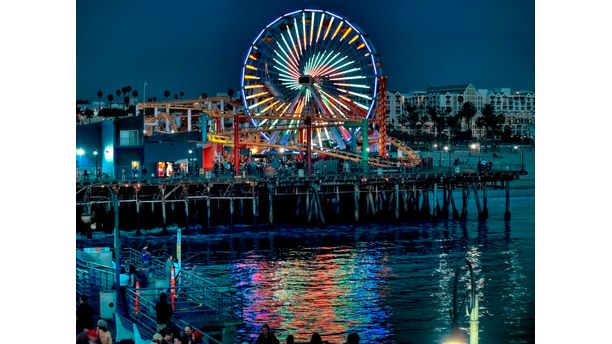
x=174 y=335
x=267 y=337
x=86 y=332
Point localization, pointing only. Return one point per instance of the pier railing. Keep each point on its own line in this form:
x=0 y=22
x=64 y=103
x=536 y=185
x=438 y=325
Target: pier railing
x=92 y=277
x=131 y=256
x=188 y=303
x=355 y=171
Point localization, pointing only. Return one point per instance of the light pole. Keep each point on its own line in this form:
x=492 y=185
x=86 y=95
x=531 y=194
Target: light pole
x=144 y=92
x=457 y=335
x=95 y=153
x=447 y=149
x=476 y=146
x=80 y=152
x=189 y=162
x=522 y=158
x=435 y=146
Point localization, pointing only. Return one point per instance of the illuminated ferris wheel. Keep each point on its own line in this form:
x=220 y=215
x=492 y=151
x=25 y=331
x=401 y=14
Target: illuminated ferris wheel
x=308 y=62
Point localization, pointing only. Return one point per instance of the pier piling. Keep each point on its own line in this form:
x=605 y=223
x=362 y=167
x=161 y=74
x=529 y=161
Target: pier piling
x=507 y=213
x=485 y=209
x=270 y=205
x=356 y=202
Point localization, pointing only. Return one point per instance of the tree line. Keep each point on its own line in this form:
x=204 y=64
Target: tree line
x=442 y=121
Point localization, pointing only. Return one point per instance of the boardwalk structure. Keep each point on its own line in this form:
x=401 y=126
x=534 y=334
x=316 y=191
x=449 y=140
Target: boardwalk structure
x=382 y=195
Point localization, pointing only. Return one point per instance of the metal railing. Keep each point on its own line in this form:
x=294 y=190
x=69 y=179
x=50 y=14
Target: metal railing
x=225 y=302
x=142 y=309
x=355 y=171
x=131 y=256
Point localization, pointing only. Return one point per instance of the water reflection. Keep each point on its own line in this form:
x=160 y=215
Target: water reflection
x=392 y=284
x=330 y=290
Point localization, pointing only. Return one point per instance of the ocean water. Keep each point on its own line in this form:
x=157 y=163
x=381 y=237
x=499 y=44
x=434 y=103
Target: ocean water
x=390 y=283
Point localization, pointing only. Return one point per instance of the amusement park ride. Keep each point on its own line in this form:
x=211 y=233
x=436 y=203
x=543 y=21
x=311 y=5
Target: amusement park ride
x=311 y=83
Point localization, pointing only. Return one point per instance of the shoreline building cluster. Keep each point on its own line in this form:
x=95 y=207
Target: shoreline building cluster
x=517 y=106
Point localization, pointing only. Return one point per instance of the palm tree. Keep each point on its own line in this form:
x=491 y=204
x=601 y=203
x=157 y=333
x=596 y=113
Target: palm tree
x=451 y=122
x=88 y=113
x=134 y=93
x=166 y=94
x=110 y=98
x=182 y=94
x=100 y=94
x=204 y=95
x=467 y=112
x=231 y=93
x=490 y=121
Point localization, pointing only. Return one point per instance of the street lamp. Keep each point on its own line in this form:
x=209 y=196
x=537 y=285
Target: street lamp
x=476 y=146
x=458 y=336
x=189 y=161
x=144 y=92
x=522 y=158
x=447 y=149
x=95 y=153
x=80 y=152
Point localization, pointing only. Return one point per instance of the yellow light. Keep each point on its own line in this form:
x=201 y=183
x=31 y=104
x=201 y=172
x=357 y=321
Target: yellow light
x=353 y=40
x=337 y=29
x=251 y=67
x=328 y=27
x=360 y=46
x=320 y=26
x=367 y=54
x=256 y=95
x=251 y=77
x=254 y=150
x=268 y=107
x=312 y=24
x=346 y=33
x=261 y=102
x=252 y=57
x=253 y=86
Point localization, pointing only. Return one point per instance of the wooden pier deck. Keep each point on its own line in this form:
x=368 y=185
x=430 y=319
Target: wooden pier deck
x=317 y=200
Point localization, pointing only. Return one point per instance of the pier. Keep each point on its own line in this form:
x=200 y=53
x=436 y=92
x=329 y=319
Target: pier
x=376 y=196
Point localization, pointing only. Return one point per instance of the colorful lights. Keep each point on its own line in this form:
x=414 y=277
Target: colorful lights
x=303 y=45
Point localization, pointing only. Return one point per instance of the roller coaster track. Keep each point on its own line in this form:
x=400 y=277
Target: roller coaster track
x=412 y=160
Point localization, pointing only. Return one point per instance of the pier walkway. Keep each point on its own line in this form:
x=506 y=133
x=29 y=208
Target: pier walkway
x=214 y=310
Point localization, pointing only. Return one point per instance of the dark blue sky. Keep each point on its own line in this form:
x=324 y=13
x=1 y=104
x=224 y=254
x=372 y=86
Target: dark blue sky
x=199 y=46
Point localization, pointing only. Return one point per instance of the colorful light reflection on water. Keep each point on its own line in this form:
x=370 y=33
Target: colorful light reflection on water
x=326 y=290
x=390 y=283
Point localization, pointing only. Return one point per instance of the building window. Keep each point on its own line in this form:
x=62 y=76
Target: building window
x=128 y=138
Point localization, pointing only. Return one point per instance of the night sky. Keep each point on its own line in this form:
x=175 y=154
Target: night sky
x=199 y=46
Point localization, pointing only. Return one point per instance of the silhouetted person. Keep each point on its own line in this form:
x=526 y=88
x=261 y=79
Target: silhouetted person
x=266 y=337
x=290 y=339
x=85 y=315
x=352 y=338
x=316 y=339
x=163 y=312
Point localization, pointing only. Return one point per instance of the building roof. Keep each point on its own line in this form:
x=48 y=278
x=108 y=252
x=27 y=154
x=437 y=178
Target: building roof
x=448 y=88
